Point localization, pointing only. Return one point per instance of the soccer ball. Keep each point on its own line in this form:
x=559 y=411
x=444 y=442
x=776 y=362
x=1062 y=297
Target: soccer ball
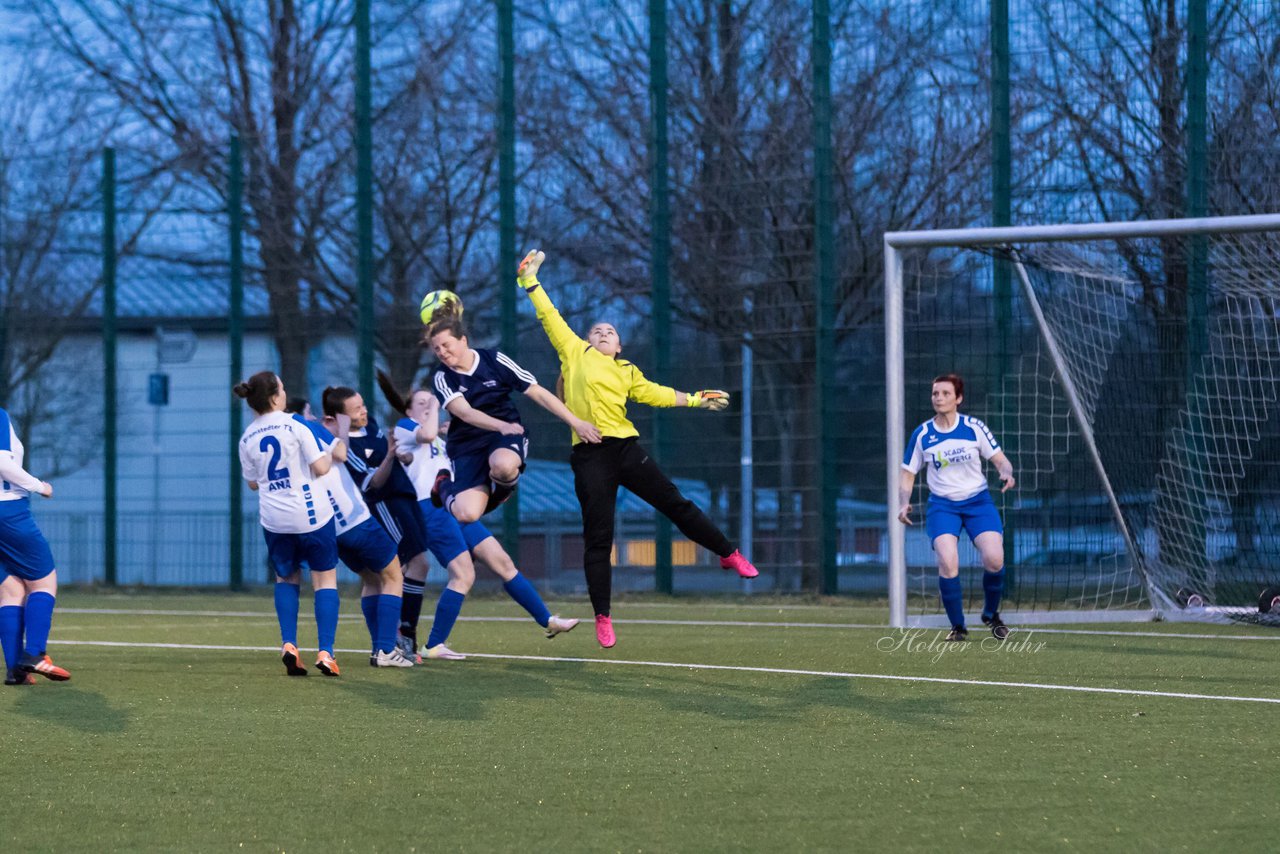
x=434 y=301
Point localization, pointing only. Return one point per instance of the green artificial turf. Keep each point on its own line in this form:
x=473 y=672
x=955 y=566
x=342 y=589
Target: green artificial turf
x=187 y=749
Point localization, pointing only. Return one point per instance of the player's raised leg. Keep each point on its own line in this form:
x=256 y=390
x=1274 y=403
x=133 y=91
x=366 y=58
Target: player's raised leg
x=486 y=548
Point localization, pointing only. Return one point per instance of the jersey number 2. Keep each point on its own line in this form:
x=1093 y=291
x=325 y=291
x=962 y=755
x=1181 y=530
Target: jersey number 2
x=270 y=443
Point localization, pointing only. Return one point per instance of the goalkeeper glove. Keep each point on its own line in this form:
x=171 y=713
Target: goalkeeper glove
x=708 y=398
x=527 y=272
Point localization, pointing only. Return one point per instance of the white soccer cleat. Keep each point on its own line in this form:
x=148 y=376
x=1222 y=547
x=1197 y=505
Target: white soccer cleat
x=556 y=625
x=395 y=658
x=440 y=652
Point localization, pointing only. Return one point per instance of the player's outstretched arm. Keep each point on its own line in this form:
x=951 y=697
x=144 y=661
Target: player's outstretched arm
x=548 y=401
x=558 y=332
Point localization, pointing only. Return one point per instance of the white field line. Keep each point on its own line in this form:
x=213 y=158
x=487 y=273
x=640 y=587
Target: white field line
x=749 y=624
x=838 y=674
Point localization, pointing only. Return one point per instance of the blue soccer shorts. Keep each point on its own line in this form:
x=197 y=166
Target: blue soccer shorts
x=471 y=469
x=402 y=518
x=975 y=515
x=366 y=548
x=318 y=548
x=24 y=551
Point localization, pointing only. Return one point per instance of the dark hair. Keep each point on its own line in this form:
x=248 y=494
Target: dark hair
x=954 y=379
x=335 y=397
x=448 y=318
x=258 y=390
x=296 y=405
x=392 y=394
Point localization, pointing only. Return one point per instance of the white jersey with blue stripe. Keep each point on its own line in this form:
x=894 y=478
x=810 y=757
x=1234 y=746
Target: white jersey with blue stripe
x=15 y=482
x=276 y=453
x=429 y=458
x=954 y=458
x=349 y=509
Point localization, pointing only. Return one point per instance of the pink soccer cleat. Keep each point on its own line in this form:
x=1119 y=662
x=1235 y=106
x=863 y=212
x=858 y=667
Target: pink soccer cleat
x=739 y=564
x=604 y=631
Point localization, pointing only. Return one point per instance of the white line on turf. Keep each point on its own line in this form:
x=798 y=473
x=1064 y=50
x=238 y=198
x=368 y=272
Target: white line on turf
x=750 y=624
x=676 y=665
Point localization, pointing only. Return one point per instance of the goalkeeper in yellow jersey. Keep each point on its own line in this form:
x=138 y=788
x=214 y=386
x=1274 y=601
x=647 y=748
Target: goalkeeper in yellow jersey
x=597 y=386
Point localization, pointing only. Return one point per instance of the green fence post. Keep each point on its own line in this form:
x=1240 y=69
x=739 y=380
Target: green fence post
x=109 y=381
x=1002 y=214
x=235 y=343
x=824 y=297
x=1197 y=181
x=364 y=200
x=660 y=261
x=507 y=227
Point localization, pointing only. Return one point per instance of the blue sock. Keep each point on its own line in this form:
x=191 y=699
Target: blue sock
x=388 y=614
x=952 y=599
x=526 y=594
x=38 y=620
x=11 y=634
x=369 y=607
x=287 y=612
x=411 y=608
x=326 y=618
x=446 y=614
x=992 y=587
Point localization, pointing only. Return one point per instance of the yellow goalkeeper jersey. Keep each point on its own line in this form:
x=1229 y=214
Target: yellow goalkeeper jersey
x=597 y=387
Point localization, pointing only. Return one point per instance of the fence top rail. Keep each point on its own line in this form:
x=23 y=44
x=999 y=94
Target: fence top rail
x=1081 y=231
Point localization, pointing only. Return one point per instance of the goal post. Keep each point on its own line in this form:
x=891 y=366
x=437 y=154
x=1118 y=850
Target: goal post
x=1139 y=408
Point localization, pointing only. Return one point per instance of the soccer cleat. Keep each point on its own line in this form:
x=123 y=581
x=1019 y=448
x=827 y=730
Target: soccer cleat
x=556 y=625
x=404 y=643
x=292 y=660
x=958 y=633
x=440 y=652
x=18 y=677
x=43 y=665
x=327 y=664
x=739 y=564
x=604 y=631
x=998 y=629
x=395 y=658
x=442 y=477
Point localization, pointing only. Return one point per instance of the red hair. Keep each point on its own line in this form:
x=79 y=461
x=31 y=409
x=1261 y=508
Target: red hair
x=954 y=379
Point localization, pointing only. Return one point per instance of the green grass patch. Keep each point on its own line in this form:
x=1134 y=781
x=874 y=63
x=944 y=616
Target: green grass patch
x=186 y=749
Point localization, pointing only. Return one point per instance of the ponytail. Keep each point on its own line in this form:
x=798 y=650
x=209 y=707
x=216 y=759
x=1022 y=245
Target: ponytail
x=258 y=390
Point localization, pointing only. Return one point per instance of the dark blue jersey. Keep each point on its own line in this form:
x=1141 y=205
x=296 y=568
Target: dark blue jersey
x=487 y=387
x=367 y=451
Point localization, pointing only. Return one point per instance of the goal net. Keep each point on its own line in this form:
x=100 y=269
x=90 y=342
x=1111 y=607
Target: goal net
x=1131 y=372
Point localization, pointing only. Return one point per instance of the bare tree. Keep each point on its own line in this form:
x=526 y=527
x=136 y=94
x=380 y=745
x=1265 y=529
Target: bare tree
x=741 y=178
x=275 y=72
x=50 y=261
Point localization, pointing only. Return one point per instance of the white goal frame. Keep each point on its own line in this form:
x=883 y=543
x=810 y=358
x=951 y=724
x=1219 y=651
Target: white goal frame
x=895 y=409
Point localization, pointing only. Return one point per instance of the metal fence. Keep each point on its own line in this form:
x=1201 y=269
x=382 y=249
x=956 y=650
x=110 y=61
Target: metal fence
x=245 y=226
